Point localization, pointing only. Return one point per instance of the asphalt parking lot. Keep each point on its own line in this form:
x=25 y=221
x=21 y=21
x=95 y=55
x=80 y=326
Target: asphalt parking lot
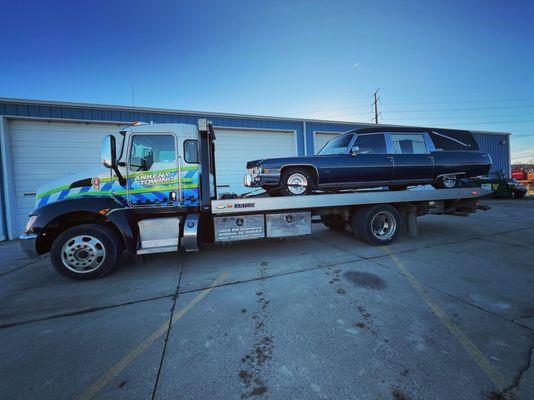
x=446 y=315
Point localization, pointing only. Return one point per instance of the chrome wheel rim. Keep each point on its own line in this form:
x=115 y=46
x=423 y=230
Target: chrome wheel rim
x=449 y=182
x=83 y=254
x=383 y=225
x=297 y=183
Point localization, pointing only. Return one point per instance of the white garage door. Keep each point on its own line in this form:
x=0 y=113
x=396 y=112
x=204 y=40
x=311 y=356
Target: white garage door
x=235 y=147
x=44 y=151
x=321 y=139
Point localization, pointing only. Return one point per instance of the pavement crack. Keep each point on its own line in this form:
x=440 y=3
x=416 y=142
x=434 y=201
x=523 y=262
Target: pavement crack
x=374 y=259
x=508 y=392
x=167 y=334
x=22 y=266
x=430 y=246
x=522 y=317
x=84 y=311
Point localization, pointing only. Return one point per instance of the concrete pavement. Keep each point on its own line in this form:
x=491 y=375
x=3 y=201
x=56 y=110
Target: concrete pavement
x=449 y=314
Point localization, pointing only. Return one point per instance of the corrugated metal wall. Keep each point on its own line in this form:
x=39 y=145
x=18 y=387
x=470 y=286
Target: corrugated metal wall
x=496 y=145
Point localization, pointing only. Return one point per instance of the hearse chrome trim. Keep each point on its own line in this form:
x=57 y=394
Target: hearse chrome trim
x=450 y=174
x=450 y=138
x=300 y=165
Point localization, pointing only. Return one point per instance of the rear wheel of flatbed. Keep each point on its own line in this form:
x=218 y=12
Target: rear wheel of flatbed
x=86 y=251
x=378 y=225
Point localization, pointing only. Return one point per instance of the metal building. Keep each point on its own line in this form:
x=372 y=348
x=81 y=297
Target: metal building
x=43 y=140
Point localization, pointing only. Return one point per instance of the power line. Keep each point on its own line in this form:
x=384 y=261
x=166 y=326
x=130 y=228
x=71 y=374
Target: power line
x=465 y=116
x=460 y=101
x=495 y=122
x=414 y=110
x=461 y=109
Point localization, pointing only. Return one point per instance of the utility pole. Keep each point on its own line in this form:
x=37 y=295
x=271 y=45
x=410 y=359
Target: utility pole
x=375 y=103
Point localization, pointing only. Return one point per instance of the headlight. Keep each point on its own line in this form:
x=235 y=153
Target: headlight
x=29 y=225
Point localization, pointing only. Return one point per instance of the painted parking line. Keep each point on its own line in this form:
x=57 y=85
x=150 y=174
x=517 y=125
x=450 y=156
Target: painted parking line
x=99 y=384
x=475 y=353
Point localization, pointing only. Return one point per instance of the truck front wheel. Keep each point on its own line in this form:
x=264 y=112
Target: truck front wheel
x=86 y=251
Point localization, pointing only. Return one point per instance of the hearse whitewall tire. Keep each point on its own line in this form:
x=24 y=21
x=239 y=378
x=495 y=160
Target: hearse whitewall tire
x=296 y=181
x=447 y=182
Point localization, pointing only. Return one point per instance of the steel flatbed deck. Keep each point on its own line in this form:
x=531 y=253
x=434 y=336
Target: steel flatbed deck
x=253 y=204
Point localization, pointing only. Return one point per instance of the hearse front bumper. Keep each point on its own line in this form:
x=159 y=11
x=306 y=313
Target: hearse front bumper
x=259 y=177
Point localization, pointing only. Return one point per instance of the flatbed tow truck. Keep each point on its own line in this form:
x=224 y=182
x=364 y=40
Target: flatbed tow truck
x=158 y=193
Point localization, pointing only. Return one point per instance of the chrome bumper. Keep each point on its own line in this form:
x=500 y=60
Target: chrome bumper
x=251 y=180
x=28 y=244
x=247 y=180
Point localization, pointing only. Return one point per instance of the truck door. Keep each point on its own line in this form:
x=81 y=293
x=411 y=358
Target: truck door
x=153 y=170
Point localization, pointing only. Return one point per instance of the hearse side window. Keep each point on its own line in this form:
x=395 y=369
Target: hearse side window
x=338 y=145
x=191 y=151
x=371 y=144
x=148 y=150
x=408 y=143
x=453 y=140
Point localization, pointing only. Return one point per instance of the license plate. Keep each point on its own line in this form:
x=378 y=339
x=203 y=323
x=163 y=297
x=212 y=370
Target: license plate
x=486 y=186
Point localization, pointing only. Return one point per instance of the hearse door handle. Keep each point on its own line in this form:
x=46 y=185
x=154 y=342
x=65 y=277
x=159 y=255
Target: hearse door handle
x=389 y=158
x=431 y=158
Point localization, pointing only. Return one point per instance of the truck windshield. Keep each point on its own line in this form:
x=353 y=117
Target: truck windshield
x=338 y=145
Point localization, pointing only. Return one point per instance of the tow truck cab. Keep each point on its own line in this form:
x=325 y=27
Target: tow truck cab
x=157 y=192
x=151 y=180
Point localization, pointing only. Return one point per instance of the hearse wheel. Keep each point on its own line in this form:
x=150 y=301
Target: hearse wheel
x=296 y=182
x=333 y=221
x=86 y=251
x=446 y=182
x=377 y=225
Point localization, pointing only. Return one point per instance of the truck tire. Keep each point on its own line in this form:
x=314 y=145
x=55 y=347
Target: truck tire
x=333 y=221
x=86 y=251
x=296 y=176
x=378 y=225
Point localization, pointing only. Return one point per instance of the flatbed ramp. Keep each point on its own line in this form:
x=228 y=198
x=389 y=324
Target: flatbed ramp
x=254 y=204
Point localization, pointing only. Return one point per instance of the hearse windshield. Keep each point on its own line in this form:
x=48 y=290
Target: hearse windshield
x=338 y=145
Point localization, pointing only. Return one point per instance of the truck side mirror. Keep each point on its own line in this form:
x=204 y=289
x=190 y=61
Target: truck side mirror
x=355 y=150
x=108 y=152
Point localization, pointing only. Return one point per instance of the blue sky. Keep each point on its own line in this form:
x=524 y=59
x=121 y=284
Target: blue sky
x=454 y=64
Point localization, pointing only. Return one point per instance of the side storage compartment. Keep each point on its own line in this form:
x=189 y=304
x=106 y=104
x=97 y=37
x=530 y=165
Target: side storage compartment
x=288 y=224
x=244 y=227
x=159 y=235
